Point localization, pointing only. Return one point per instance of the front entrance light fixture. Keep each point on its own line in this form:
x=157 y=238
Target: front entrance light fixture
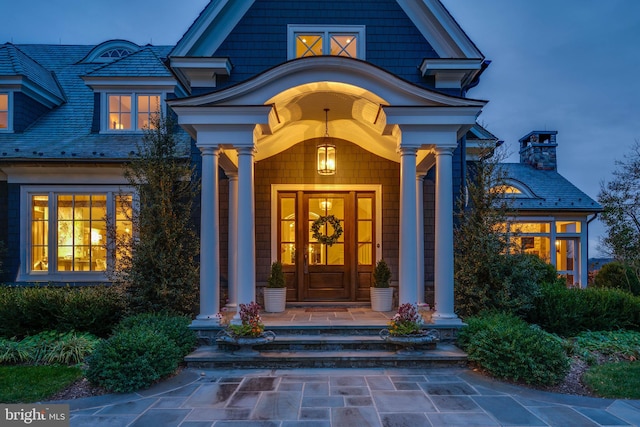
x=326 y=150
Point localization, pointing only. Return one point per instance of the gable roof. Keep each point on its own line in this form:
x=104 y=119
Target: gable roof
x=551 y=191
x=143 y=63
x=38 y=82
x=432 y=19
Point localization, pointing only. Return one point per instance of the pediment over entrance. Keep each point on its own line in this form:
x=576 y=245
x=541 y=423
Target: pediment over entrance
x=359 y=97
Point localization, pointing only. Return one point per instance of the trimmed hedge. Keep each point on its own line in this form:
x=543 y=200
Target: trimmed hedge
x=175 y=327
x=568 y=312
x=132 y=359
x=30 y=310
x=507 y=347
x=143 y=349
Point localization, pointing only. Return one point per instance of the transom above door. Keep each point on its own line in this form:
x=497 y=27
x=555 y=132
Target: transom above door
x=327 y=243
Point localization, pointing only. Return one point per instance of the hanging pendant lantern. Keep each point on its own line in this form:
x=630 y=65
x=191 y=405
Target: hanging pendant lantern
x=326 y=151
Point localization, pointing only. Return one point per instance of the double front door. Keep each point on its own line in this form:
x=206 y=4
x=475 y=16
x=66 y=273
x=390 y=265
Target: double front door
x=327 y=244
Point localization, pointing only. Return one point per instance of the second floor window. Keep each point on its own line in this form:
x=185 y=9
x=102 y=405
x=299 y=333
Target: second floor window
x=305 y=41
x=4 y=111
x=131 y=111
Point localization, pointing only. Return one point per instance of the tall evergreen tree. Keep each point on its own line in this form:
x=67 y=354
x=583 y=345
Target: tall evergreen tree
x=479 y=236
x=158 y=265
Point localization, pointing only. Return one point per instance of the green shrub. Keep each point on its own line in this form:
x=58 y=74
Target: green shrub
x=509 y=284
x=30 y=310
x=175 y=327
x=48 y=348
x=615 y=345
x=568 y=312
x=132 y=359
x=507 y=347
x=11 y=352
x=617 y=275
x=70 y=348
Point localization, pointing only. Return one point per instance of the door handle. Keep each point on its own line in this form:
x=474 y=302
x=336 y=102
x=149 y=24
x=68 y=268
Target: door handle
x=305 y=264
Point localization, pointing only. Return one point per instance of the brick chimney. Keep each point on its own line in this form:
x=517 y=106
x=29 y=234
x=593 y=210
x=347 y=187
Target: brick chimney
x=538 y=149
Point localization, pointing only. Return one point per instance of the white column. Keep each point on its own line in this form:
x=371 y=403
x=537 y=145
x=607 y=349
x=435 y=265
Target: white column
x=209 y=237
x=232 y=276
x=407 y=277
x=420 y=226
x=444 y=297
x=583 y=253
x=246 y=227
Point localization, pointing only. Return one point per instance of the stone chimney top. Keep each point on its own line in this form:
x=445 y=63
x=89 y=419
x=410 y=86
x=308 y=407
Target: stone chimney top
x=538 y=149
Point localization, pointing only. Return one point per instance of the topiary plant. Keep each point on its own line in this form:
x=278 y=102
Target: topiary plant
x=381 y=275
x=276 y=278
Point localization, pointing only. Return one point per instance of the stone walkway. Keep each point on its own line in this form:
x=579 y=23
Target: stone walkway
x=346 y=397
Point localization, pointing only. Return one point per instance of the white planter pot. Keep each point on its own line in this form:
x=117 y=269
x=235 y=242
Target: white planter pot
x=275 y=299
x=381 y=299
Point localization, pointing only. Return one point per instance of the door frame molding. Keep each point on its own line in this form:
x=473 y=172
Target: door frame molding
x=276 y=188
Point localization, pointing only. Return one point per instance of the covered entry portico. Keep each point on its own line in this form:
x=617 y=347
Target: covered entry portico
x=386 y=116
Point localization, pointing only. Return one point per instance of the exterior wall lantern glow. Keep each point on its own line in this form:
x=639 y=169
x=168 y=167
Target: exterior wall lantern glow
x=326 y=151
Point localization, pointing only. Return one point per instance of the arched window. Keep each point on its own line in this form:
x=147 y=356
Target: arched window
x=111 y=51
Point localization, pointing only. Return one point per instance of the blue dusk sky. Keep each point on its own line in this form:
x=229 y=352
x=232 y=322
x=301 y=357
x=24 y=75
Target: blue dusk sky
x=567 y=65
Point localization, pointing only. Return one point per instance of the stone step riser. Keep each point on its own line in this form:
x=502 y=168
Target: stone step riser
x=207 y=336
x=326 y=346
x=326 y=363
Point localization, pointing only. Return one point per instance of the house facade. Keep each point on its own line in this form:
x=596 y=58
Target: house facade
x=328 y=135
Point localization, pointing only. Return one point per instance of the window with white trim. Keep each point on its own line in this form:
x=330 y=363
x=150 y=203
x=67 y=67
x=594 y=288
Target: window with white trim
x=556 y=241
x=131 y=111
x=4 y=111
x=68 y=231
x=313 y=40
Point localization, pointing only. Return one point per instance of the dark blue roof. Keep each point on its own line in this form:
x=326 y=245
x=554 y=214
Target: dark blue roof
x=65 y=132
x=550 y=190
x=14 y=62
x=143 y=63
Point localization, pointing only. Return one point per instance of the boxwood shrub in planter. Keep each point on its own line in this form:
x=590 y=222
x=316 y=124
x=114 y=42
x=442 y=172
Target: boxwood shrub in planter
x=381 y=293
x=275 y=294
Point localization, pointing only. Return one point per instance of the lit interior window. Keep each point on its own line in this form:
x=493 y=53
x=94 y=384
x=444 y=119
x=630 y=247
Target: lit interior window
x=506 y=189
x=148 y=110
x=344 y=45
x=82 y=232
x=4 y=111
x=120 y=112
x=79 y=240
x=308 y=45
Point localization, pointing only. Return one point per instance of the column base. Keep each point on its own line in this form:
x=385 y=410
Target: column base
x=446 y=320
x=204 y=321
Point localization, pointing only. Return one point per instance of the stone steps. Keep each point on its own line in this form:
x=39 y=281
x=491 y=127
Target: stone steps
x=214 y=357
x=324 y=346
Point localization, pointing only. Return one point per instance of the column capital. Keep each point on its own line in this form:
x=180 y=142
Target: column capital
x=245 y=150
x=408 y=151
x=446 y=150
x=209 y=150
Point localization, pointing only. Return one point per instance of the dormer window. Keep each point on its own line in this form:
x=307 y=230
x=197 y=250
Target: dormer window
x=312 y=40
x=112 y=54
x=125 y=115
x=4 y=111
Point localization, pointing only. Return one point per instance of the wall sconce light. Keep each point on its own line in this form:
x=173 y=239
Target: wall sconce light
x=326 y=150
